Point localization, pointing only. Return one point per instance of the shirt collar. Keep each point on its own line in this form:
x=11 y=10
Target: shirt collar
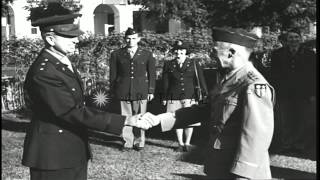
x=61 y=57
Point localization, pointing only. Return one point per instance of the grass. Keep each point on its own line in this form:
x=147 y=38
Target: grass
x=157 y=161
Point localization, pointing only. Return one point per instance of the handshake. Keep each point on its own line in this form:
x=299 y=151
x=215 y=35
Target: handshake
x=143 y=121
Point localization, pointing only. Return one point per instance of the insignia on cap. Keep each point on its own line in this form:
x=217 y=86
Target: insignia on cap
x=130 y=31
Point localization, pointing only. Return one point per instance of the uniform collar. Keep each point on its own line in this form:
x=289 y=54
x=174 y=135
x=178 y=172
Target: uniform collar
x=134 y=49
x=61 y=57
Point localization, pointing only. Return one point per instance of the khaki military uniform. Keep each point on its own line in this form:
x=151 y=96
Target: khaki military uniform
x=241 y=120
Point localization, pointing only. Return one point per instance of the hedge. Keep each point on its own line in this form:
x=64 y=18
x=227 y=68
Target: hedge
x=93 y=54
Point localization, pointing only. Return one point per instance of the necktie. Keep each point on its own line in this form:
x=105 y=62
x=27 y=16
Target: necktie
x=131 y=52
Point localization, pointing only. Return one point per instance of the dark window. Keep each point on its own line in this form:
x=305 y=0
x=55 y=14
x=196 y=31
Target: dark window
x=33 y=30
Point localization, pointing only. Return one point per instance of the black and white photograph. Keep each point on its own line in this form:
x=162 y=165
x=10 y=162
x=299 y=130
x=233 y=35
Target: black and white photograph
x=159 y=89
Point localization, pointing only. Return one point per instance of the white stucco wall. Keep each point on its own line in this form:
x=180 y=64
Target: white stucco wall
x=22 y=25
x=123 y=14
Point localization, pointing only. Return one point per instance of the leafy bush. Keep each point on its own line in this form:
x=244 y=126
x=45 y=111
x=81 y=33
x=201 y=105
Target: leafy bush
x=94 y=52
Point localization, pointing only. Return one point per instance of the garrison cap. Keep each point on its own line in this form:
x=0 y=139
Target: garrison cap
x=235 y=36
x=180 y=45
x=56 y=18
x=130 y=31
x=294 y=30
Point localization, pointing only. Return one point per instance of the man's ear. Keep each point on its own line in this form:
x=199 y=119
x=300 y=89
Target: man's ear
x=50 y=40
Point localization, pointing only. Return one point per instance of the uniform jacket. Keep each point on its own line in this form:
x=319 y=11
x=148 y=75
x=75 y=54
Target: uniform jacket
x=132 y=78
x=57 y=136
x=240 y=115
x=179 y=83
x=293 y=76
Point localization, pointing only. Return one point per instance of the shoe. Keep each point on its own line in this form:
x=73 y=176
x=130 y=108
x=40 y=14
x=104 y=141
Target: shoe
x=138 y=148
x=126 y=149
x=187 y=148
x=179 y=148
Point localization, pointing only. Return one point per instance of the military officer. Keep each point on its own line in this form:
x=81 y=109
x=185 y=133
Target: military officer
x=56 y=143
x=180 y=79
x=132 y=80
x=240 y=113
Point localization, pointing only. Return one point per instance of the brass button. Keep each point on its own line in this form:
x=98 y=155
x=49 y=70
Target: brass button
x=46 y=60
x=60 y=130
x=43 y=64
x=41 y=69
x=73 y=89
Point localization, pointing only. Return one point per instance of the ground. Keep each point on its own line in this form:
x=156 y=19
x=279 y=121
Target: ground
x=157 y=161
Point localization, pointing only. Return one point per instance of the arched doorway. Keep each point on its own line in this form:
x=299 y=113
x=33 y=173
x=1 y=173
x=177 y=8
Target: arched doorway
x=103 y=19
x=7 y=24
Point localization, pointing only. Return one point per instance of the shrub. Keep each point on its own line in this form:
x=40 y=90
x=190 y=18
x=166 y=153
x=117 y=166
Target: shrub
x=94 y=52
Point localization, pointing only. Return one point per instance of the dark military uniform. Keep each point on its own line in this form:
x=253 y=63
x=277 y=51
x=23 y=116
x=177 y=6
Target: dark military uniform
x=134 y=78
x=294 y=79
x=240 y=115
x=56 y=143
x=57 y=137
x=179 y=82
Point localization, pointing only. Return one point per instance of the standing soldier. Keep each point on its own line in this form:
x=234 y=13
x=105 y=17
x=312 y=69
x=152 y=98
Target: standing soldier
x=240 y=113
x=56 y=144
x=132 y=80
x=293 y=75
x=180 y=78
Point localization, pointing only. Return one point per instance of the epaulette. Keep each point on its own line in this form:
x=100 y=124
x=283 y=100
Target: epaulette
x=251 y=75
x=42 y=65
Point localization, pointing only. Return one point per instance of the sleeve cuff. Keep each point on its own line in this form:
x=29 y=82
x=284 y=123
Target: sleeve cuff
x=116 y=124
x=167 y=121
x=245 y=169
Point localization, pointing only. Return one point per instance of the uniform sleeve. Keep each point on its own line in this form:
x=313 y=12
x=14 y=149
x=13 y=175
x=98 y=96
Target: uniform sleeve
x=184 y=117
x=113 y=70
x=152 y=73
x=202 y=79
x=256 y=132
x=165 y=79
x=59 y=100
x=275 y=68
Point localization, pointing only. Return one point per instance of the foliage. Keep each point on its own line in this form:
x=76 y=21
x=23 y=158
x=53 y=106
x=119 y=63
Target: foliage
x=37 y=7
x=93 y=54
x=5 y=7
x=277 y=14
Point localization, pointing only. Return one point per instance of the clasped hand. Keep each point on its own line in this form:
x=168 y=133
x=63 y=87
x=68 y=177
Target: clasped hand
x=143 y=121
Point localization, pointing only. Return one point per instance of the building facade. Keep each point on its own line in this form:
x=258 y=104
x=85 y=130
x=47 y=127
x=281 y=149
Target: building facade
x=98 y=17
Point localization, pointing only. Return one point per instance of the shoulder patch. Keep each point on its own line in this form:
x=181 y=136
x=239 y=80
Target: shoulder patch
x=260 y=89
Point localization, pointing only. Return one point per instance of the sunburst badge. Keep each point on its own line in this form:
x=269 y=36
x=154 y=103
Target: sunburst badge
x=100 y=98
